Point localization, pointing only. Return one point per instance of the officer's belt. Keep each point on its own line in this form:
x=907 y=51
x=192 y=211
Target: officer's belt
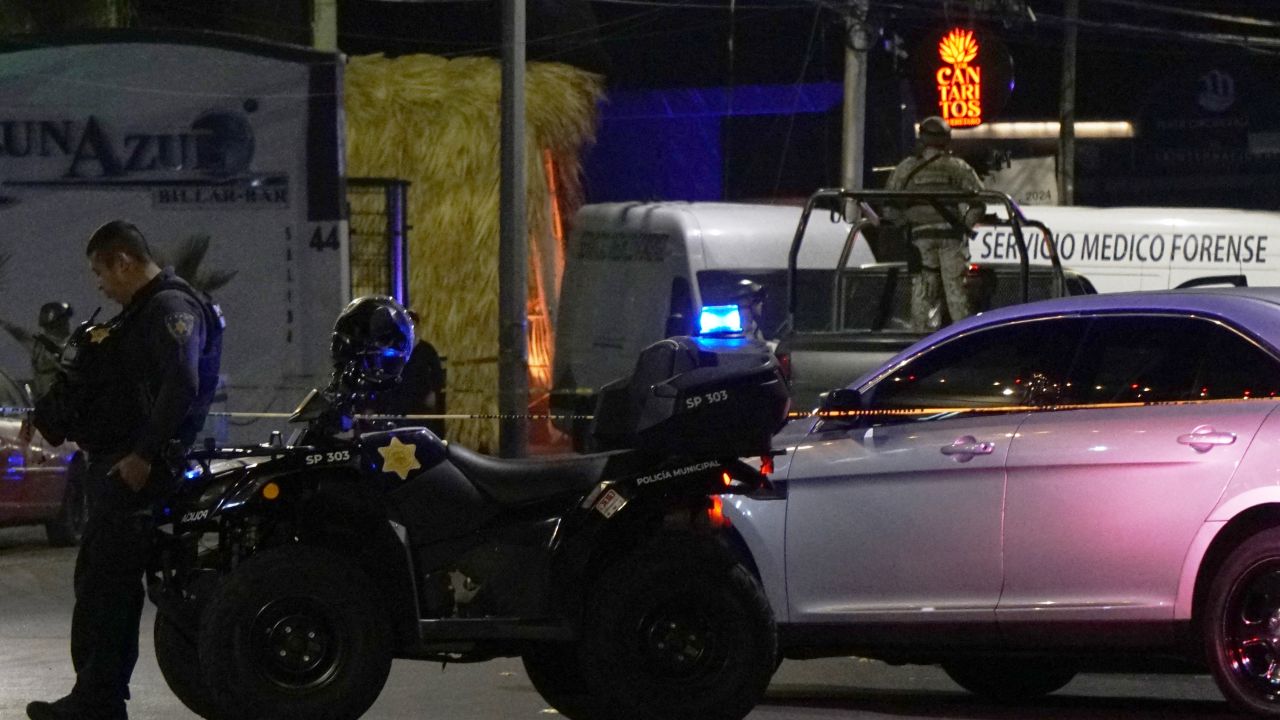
x=943 y=232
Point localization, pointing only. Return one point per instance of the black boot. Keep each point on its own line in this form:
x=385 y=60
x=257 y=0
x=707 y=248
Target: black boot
x=70 y=708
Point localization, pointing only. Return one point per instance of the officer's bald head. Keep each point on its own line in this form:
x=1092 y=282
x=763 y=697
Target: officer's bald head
x=119 y=236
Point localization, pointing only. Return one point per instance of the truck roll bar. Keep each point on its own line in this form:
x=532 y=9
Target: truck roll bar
x=837 y=199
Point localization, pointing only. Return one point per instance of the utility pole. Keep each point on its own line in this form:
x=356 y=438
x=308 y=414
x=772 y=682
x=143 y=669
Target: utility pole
x=855 y=94
x=324 y=24
x=513 y=246
x=1067 y=111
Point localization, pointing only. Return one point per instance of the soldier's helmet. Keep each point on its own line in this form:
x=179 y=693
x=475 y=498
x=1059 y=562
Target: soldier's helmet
x=53 y=315
x=935 y=131
x=372 y=340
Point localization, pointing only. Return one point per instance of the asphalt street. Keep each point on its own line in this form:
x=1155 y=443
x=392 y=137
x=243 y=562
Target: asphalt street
x=35 y=611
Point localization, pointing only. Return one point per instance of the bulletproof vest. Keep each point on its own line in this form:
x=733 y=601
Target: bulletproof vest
x=210 y=354
x=943 y=173
x=107 y=412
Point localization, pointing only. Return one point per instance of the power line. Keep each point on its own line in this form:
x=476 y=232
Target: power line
x=1198 y=14
x=726 y=5
x=791 y=119
x=1266 y=45
x=1260 y=44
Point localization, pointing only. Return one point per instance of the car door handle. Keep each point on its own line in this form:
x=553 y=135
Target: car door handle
x=1204 y=438
x=964 y=448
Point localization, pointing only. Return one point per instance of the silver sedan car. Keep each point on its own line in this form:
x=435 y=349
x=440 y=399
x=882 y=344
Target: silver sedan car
x=1089 y=483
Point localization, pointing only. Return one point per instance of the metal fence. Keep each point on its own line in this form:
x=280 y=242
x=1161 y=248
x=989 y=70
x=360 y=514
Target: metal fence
x=379 y=222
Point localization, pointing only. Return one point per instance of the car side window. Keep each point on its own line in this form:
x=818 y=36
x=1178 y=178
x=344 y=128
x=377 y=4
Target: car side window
x=1166 y=359
x=1011 y=366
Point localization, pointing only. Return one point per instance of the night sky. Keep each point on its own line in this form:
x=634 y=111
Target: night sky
x=1138 y=60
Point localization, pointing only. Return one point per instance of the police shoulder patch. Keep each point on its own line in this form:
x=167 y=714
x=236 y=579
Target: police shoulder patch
x=180 y=325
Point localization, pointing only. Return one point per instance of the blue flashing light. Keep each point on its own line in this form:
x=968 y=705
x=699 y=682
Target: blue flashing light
x=193 y=473
x=720 y=320
x=15 y=466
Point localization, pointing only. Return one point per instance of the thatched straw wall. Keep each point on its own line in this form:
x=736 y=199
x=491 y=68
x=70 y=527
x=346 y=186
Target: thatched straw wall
x=436 y=123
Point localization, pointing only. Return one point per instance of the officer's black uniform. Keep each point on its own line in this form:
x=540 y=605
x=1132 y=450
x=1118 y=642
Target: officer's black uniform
x=149 y=381
x=423 y=375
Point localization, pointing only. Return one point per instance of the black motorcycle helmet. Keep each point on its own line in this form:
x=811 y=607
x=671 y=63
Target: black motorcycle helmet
x=54 y=316
x=372 y=340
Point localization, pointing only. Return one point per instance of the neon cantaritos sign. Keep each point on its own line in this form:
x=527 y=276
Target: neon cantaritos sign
x=963 y=75
x=959 y=79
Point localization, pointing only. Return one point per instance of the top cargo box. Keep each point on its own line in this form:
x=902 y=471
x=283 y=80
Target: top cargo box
x=695 y=396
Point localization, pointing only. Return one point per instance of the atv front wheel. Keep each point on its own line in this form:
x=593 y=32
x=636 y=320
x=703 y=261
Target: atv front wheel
x=293 y=634
x=179 y=661
x=555 y=671
x=678 y=631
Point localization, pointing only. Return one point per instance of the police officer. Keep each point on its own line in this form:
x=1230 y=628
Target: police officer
x=149 y=378
x=54 y=322
x=750 y=297
x=421 y=387
x=943 y=247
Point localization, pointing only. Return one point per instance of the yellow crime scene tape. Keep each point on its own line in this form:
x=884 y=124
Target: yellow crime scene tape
x=19 y=411
x=795 y=414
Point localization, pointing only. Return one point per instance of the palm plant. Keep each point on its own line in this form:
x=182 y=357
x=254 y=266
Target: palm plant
x=19 y=333
x=186 y=260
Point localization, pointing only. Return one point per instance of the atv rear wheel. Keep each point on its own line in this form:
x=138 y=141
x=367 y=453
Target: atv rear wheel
x=678 y=631
x=179 y=661
x=293 y=634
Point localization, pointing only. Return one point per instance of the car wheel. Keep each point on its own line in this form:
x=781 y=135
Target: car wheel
x=555 y=672
x=1242 y=625
x=179 y=661
x=1010 y=679
x=68 y=527
x=294 y=633
x=678 y=631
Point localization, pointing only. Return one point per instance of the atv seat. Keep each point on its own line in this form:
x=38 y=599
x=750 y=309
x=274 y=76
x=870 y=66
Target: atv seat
x=512 y=482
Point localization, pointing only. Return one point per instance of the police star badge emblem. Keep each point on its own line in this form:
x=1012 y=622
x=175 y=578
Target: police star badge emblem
x=180 y=325
x=399 y=458
x=98 y=334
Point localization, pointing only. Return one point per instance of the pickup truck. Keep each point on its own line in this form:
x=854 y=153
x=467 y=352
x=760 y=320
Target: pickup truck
x=864 y=318
x=876 y=322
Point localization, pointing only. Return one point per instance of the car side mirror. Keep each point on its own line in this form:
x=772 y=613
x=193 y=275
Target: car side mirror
x=840 y=400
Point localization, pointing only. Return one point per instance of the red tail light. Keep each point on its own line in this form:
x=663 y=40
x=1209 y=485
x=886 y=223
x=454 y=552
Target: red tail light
x=784 y=363
x=715 y=513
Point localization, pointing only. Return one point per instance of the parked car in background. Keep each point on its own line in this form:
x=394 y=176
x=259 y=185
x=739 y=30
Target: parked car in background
x=39 y=484
x=1086 y=483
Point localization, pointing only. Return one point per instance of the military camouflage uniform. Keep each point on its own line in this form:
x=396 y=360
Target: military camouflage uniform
x=44 y=362
x=944 y=251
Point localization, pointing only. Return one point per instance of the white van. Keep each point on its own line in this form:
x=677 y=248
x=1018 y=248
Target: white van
x=1145 y=248
x=638 y=272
